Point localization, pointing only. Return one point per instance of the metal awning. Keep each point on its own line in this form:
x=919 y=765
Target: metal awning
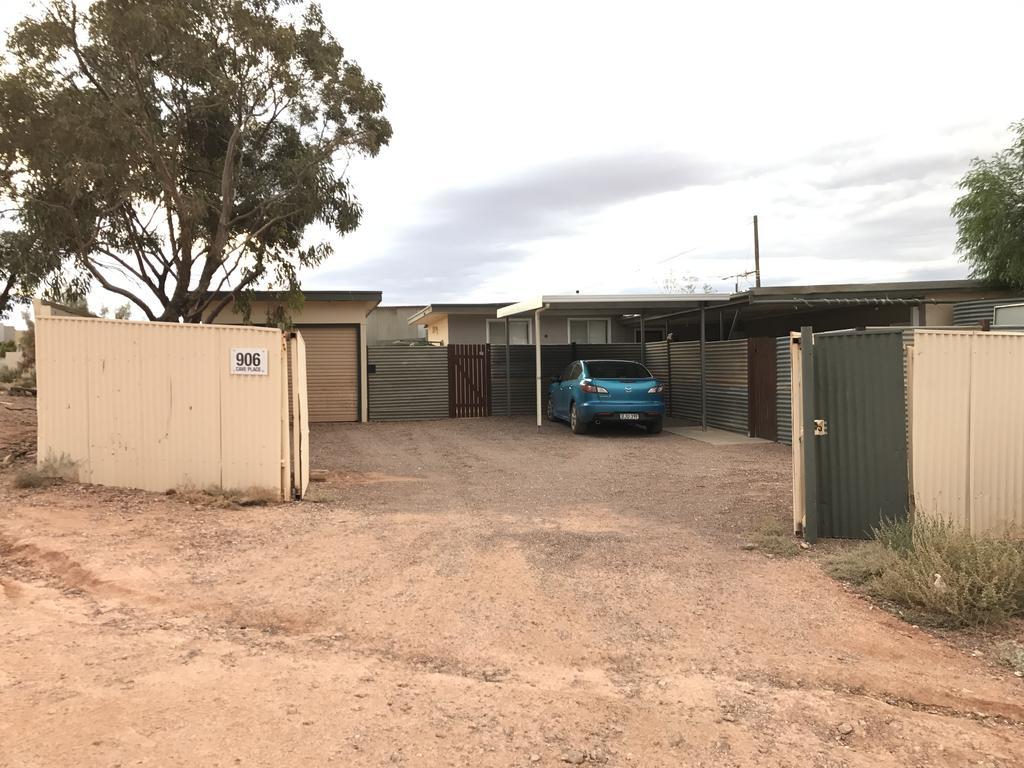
x=621 y=303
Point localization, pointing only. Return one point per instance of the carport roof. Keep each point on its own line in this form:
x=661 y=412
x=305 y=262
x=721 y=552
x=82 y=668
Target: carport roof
x=427 y=314
x=618 y=303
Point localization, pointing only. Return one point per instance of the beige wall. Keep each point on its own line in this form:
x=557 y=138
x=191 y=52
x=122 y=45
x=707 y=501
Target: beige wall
x=967 y=425
x=326 y=312
x=437 y=331
x=155 y=405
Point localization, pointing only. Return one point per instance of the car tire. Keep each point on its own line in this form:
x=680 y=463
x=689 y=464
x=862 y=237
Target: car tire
x=578 y=425
x=551 y=411
x=654 y=427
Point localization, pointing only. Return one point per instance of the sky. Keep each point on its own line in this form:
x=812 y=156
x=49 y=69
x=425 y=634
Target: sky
x=603 y=147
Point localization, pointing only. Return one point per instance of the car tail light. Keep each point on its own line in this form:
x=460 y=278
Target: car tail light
x=587 y=386
x=657 y=389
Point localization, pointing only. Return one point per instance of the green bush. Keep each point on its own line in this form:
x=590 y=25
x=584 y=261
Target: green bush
x=7 y=375
x=940 y=569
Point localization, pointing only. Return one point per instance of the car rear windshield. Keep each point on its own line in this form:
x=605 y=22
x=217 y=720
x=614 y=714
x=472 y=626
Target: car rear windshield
x=617 y=369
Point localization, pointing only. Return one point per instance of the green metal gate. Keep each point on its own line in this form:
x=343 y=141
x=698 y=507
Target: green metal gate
x=857 y=428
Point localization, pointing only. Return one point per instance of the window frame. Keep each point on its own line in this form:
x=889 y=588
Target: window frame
x=607 y=325
x=529 y=328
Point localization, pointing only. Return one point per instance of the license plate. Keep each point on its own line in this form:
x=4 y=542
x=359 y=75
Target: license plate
x=629 y=417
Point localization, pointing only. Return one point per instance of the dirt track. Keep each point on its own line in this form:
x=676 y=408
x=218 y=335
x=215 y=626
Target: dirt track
x=468 y=593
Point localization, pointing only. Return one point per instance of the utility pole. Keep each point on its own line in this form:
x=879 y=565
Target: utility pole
x=757 y=256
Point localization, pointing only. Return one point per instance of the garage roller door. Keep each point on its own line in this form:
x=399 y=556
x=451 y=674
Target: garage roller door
x=332 y=372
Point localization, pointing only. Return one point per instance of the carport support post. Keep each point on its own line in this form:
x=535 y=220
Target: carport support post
x=703 y=373
x=536 y=352
x=643 y=341
x=508 y=369
x=807 y=402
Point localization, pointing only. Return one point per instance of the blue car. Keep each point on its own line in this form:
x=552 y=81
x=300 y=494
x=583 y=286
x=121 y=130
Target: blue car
x=604 y=392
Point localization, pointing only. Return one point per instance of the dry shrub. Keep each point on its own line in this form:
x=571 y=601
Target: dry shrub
x=1010 y=654
x=48 y=472
x=861 y=563
x=223 y=498
x=941 y=569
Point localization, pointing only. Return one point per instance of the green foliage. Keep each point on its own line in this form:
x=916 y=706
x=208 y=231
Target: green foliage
x=175 y=152
x=940 y=569
x=8 y=375
x=861 y=563
x=990 y=215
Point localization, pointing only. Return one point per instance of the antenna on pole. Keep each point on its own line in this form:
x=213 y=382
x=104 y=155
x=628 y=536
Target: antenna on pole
x=757 y=256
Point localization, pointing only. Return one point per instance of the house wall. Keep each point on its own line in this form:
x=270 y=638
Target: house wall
x=554 y=325
x=8 y=333
x=387 y=324
x=315 y=313
x=437 y=331
x=11 y=359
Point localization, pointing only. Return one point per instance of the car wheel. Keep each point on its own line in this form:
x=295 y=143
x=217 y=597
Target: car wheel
x=654 y=427
x=551 y=410
x=577 y=424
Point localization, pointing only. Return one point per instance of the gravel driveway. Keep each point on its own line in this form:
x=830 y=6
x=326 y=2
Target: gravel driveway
x=468 y=593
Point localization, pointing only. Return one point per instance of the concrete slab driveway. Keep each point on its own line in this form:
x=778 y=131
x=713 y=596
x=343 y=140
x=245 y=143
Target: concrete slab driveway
x=470 y=593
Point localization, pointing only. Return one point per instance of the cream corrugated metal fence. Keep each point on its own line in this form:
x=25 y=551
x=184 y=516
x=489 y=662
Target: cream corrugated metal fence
x=967 y=413
x=155 y=405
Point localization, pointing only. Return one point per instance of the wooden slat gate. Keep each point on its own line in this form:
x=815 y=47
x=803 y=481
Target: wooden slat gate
x=761 y=378
x=469 y=380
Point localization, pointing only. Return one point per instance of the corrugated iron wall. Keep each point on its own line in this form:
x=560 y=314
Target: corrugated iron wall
x=968 y=428
x=727 y=385
x=407 y=383
x=861 y=459
x=974 y=312
x=656 y=357
x=783 y=390
x=155 y=405
x=684 y=361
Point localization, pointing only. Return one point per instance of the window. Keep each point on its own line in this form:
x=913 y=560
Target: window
x=520 y=330
x=586 y=330
x=617 y=369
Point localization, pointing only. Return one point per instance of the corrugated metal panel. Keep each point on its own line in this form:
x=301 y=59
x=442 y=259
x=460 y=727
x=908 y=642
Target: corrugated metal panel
x=155 y=406
x=656 y=356
x=623 y=351
x=862 y=460
x=726 y=385
x=332 y=372
x=783 y=390
x=997 y=432
x=968 y=428
x=408 y=383
x=685 y=368
x=974 y=312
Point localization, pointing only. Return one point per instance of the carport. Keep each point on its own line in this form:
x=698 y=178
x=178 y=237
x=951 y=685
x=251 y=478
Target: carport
x=629 y=310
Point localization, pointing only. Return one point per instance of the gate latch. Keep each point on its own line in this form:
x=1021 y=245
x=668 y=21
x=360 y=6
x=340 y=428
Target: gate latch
x=820 y=427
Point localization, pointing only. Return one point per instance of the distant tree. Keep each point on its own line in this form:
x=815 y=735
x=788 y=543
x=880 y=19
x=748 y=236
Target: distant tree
x=171 y=149
x=671 y=283
x=22 y=270
x=990 y=215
